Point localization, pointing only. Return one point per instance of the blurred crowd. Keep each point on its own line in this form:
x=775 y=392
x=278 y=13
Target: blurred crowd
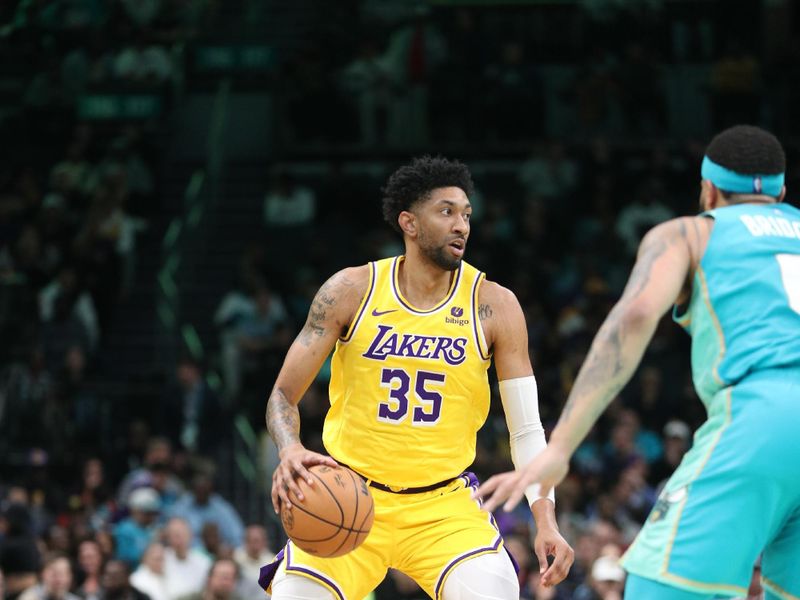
x=96 y=504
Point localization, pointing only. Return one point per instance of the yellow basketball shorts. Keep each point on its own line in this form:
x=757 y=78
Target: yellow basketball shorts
x=424 y=535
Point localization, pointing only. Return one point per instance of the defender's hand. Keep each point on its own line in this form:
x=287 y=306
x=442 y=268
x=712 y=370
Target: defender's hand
x=294 y=460
x=548 y=469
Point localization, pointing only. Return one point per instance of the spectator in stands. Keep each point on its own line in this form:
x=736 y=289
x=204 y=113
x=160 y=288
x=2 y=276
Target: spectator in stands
x=79 y=403
x=63 y=332
x=263 y=334
x=150 y=576
x=254 y=553
x=250 y=322
x=203 y=505
x=184 y=567
x=366 y=81
x=134 y=533
x=549 y=173
x=56 y=581
x=413 y=54
x=143 y=63
x=645 y=212
x=26 y=387
x=20 y=560
x=155 y=472
x=221 y=583
x=72 y=177
x=141 y=12
x=677 y=439
x=606 y=582
x=116 y=582
x=191 y=414
x=515 y=104
x=28 y=259
x=213 y=543
x=289 y=206
x=90 y=564
x=67 y=285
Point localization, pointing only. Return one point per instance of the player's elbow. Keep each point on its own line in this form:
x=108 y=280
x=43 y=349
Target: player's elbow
x=640 y=313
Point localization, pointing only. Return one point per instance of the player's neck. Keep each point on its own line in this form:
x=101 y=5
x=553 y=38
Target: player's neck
x=422 y=282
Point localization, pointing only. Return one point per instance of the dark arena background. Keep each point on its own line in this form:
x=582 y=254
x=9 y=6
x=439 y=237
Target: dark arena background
x=178 y=178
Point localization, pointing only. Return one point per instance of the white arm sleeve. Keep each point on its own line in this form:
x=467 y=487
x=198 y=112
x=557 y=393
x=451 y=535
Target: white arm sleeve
x=520 y=398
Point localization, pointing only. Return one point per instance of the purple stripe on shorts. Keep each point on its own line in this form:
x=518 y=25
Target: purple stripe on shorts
x=458 y=559
x=313 y=574
x=267 y=573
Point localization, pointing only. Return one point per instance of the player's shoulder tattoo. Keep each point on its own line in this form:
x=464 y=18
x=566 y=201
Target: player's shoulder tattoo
x=335 y=290
x=485 y=311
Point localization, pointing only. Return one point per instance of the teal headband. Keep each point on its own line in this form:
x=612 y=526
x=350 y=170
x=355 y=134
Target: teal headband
x=731 y=181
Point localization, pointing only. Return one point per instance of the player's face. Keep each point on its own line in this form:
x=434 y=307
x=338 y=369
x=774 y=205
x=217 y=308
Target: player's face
x=443 y=226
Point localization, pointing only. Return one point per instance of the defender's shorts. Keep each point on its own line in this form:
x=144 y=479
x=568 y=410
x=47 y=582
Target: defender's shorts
x=423 y=535
x=735 y=495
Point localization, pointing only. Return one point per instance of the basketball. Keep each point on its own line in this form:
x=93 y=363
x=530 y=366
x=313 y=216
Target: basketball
x=335 y=515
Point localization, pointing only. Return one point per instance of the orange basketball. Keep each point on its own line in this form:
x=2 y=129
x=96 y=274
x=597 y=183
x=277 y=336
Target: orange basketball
x=335 y=514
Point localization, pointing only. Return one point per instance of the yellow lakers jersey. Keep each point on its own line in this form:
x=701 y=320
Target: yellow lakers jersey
x=409 y=387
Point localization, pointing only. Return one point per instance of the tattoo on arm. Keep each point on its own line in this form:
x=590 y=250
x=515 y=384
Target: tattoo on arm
x=283 y=419
x=484 y=312
x=326 y=299
x=649 y=253
x=618 y=345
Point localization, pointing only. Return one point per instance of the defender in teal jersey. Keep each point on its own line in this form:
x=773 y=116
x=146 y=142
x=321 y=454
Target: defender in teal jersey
x=733 y=276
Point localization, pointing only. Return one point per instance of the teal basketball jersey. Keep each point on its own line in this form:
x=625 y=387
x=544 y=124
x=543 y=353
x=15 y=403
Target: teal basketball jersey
x=744 y=313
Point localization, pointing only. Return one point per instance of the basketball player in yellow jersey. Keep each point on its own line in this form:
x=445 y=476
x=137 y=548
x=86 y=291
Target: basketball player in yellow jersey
x=413 y=337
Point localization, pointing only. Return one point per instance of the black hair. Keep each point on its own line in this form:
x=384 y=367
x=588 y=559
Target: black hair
x=748 y=150
x=415 y=181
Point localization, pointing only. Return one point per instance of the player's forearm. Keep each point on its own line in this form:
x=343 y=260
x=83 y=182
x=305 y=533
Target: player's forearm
x=612 y=359
x=283 y=420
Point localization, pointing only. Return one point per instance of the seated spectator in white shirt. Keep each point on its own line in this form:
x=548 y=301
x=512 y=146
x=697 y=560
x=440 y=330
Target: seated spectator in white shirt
x=150 y=577
x=254 y=553
x=185 y=568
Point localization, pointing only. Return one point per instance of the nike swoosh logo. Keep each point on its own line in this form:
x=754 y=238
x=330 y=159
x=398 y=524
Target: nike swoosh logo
x=377 y=313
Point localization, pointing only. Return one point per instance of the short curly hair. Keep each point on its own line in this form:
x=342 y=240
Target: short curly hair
x=747 y=150
x=415 y=181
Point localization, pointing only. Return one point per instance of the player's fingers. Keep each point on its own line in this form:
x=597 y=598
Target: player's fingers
x=562 y=561
x=326 y=460
x=275 y=497
x=283 y=492
x=299 y=470
x=485 y=488
x=541 y=556
x=485 y=493
x=502 y=489
x=514 y=497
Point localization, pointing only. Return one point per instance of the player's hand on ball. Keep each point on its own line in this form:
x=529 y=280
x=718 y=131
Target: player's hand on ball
x=294 y=462
x=548 y=469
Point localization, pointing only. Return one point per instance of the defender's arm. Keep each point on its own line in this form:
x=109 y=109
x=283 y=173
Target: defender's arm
x=662 y=267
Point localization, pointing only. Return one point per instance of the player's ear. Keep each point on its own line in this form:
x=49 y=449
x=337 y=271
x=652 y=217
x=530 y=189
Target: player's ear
x=783 y=194
x=408 y=223
x=711 y=195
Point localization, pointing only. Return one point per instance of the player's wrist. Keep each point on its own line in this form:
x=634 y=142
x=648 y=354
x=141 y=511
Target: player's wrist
x=290 y=448
x=544 y=514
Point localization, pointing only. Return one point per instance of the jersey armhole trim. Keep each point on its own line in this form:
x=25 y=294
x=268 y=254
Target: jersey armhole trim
x=362 y=307
x=480 y=340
